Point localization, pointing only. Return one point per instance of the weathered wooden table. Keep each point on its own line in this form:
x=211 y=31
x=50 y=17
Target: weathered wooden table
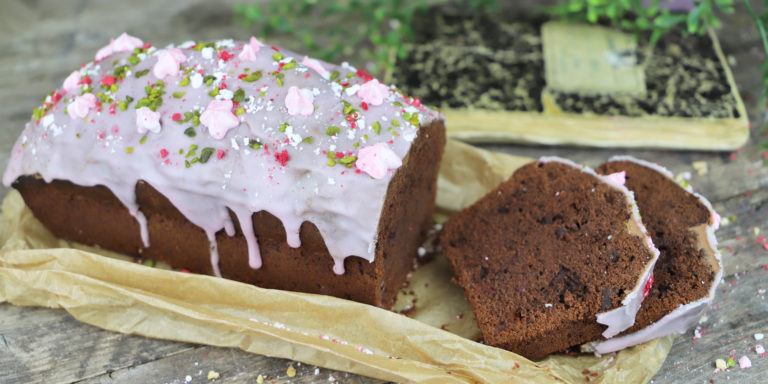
x=41 y=41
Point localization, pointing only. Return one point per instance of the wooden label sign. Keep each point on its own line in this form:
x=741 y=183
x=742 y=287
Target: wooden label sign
x=587 y=59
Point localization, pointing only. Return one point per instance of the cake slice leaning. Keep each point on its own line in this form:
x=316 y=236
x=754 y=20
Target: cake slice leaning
x=681 y=224
x=556 y=256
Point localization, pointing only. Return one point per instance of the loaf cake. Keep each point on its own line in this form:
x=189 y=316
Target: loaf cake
x=236 y=159
x=681 y=224
x=555 y=257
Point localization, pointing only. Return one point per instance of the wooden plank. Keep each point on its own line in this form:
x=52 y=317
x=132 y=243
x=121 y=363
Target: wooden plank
x=47 y=345
x=738 y=313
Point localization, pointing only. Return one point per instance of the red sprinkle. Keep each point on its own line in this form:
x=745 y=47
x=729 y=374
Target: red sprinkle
x=241 y=76
x=364 y=75
x=282 y=157
x=648 y=286
x=146 y=46
x=112 y=109
x=219 y=154
x=176 y=116
x=108 y=80
x=163 y=153
x=274 y=48
x=85 y=80
x=224 y=55
x=364 y=106
x=339 y=155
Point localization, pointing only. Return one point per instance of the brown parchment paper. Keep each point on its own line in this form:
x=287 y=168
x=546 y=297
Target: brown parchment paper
x=117 y=294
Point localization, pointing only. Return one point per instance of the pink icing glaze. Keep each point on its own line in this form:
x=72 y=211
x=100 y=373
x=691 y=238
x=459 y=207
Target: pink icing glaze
x=376 y=160
x=219 y=119
x=316 y=65
x=619 y=178
x=373 y=92
x=147 y=120
x=168 y=63
x=80 y=107
x=72 y=81
x=123 y=43
x=286 y=175
x=299 y=101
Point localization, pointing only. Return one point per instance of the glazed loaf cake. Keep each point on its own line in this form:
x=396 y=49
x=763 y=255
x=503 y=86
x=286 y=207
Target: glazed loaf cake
x=555 y=257
x=236 y=159
x=681 y=224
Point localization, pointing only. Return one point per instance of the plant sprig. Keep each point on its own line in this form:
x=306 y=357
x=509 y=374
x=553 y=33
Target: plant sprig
x=760 y=22
x=375 y=30
x=645 y=16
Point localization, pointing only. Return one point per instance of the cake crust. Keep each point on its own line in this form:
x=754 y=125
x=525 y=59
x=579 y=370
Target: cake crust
x=94 y=216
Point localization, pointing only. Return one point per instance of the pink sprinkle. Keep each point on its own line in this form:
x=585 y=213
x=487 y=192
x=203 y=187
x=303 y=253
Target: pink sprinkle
x=219 y=119
x=71 y=82
x=619 y=178
x=147 y=120
x=250 y=50
x=81 y=105
x=123 y=43
x=169 y=63
x=376 y=160
x=373 y=92
x=315 y=65
x=299 y=101
x=163 y=153
x=744 y=362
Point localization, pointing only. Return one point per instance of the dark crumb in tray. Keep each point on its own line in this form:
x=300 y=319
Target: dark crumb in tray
x=495 y=62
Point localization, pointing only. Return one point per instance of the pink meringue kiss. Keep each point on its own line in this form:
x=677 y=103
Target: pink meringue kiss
x=147 y=120
x=373 y=92
x=168 y=63
x=80 y=107
x=376 y=160
x=299 y=101
x=219 y=119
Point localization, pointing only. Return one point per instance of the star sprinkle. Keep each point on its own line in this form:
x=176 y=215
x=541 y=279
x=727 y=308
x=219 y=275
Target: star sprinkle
x=219 y=119
x=168 y=63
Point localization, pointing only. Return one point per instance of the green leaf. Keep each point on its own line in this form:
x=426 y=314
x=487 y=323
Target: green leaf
x=693 y=19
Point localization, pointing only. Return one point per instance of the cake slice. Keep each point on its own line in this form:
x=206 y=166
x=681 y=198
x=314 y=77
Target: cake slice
x=681 y=224
x=556 y=256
